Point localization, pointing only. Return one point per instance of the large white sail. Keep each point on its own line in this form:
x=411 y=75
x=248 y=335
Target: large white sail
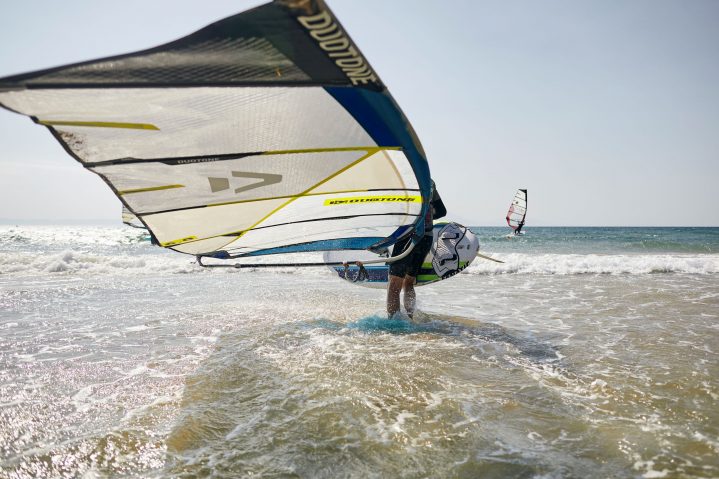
x=266 y=132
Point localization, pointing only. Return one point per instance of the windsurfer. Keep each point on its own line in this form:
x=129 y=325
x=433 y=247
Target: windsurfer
x=403 y=273
x=517 y=212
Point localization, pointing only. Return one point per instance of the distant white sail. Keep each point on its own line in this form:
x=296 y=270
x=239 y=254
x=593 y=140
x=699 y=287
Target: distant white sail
x=517 y=211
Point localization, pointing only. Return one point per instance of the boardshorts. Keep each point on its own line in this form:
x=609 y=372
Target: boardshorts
x=412 y=263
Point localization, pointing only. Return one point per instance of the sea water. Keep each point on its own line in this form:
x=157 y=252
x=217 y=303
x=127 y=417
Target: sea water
x=590 y=352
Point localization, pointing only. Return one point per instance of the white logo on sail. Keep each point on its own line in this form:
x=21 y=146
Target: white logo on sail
x=221 y=184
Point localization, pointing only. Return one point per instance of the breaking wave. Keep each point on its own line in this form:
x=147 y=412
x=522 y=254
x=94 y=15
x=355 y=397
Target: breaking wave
x=89 y=262
x=568 y=264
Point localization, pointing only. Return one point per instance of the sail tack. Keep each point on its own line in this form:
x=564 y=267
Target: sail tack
x=517 y=211
x=266 y=132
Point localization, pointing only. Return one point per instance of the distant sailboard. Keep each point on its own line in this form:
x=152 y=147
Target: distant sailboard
x=267 y=132
x=517 y=211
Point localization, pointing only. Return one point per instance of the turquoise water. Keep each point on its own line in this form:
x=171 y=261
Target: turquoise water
x=604 y=240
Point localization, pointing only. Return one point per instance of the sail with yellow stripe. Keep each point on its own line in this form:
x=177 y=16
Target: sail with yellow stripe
x=266 y=132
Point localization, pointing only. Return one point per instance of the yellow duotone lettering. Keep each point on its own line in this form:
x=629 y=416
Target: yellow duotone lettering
x=313 y=22
x=334 y=45
x=326 y=33
x=357 y=81
x=372 y=199
x=346 y=63
x=350 y=52
x=338 y=47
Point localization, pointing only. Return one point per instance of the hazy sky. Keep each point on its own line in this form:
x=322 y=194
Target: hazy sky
x=606 y=110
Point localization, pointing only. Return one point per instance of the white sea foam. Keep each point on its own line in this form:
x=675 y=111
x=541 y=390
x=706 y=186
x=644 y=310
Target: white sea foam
x=131 y=348
x=82 y=235
x=83 y=262
x=121 y=250
x=568 y=264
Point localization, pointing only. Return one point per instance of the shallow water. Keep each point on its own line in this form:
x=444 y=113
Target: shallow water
x=120 y=359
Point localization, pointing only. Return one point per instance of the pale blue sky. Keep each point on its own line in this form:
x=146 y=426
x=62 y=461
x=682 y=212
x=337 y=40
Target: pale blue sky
x=606 y=110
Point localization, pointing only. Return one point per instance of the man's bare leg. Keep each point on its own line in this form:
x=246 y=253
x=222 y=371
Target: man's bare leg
x=410 y=297
x=393 y=289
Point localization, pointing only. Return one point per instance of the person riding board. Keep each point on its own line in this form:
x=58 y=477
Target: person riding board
x=403 y=273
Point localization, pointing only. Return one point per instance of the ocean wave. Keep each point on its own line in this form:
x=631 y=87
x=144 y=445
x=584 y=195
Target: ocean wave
x=569 y=264
x=83 y=262
x=598 y=240
x=158 y=260
x=52 y=236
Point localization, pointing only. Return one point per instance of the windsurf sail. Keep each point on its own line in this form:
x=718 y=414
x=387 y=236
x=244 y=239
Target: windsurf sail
x=266 y=132
x=517 y=211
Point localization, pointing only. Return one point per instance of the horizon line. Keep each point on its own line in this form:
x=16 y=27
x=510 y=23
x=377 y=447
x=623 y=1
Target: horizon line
x=100 y=221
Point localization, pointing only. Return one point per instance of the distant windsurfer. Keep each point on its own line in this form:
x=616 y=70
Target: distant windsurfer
x=403 y=273
x=517 y=213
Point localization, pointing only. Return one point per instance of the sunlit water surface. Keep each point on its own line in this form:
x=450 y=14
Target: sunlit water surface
x=118 y=359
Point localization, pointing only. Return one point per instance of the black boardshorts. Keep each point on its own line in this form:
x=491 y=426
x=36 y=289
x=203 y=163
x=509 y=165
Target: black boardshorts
x=412 y=263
